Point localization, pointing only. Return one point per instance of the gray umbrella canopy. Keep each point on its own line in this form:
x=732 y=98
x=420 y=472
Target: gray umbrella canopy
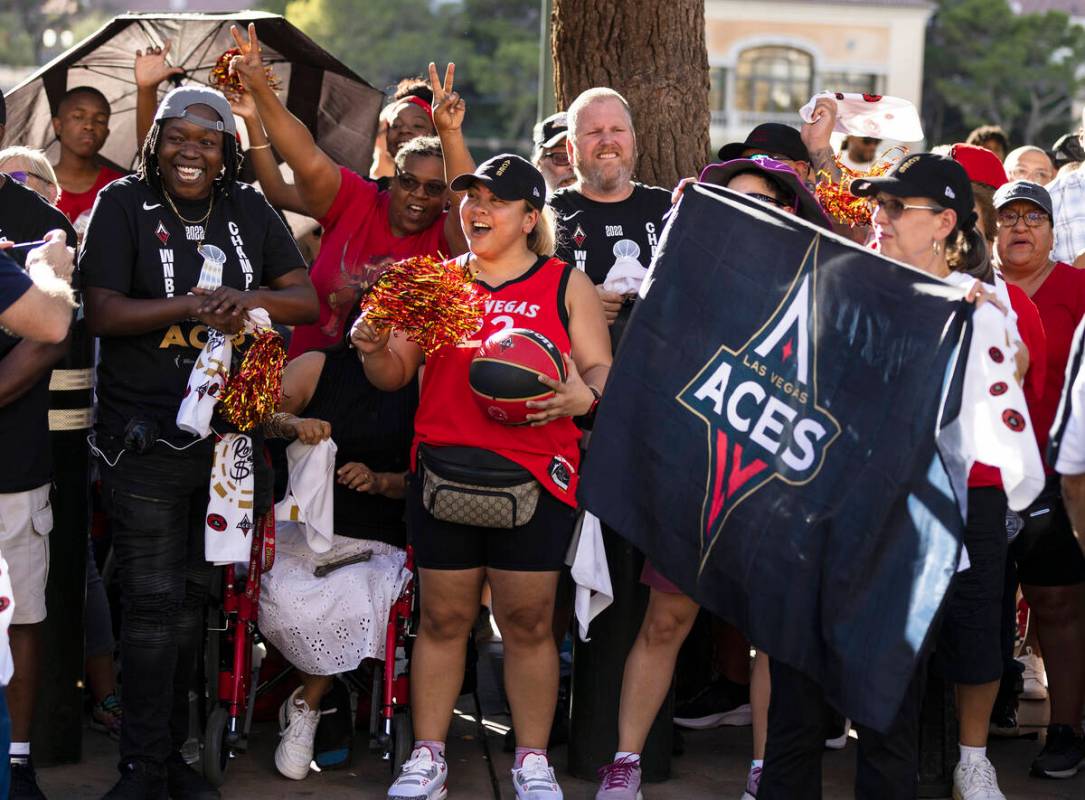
x=339 y=107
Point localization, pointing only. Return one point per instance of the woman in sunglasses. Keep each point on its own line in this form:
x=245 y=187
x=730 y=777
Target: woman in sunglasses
x=32 y=169
x=1051 y=569
x=364 y=228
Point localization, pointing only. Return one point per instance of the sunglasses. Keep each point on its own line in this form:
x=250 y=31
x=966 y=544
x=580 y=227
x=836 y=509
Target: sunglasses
x=22 y=177
x=410 y=183
x=894 y=208
x=559 y=157
x=1033 y=219
x=764 y=198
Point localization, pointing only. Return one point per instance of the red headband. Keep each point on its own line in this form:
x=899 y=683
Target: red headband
x=418 y=101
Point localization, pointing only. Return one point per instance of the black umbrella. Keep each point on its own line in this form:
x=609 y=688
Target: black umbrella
x=339 y=107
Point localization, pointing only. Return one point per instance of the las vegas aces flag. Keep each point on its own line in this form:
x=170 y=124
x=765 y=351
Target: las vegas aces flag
x=768 y=439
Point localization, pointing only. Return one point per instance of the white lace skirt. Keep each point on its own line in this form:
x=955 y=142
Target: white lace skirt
x=327 y=625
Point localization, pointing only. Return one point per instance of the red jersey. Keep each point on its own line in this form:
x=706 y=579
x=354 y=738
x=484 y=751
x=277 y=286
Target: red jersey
x=1061 y=301
x=448 y=414
x=75 y=203
x=1032 y=334
x=357 y=239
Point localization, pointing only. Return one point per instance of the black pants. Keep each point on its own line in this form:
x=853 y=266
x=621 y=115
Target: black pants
x=888 y=764
x=156 y=505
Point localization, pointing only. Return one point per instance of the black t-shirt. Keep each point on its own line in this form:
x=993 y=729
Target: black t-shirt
x=137 y=246
x=25 y=460
x=591 y=235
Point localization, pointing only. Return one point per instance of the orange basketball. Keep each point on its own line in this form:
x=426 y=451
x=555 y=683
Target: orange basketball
x=505 y=372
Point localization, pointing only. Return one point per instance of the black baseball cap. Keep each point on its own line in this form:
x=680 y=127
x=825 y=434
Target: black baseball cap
x=1067 y=149
x=1024 y=190
x=938 y=178
x=508 y=176
x=773 y=138
x=551 y=130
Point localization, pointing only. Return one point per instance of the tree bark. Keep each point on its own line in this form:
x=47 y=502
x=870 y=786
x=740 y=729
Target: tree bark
x=654 y=54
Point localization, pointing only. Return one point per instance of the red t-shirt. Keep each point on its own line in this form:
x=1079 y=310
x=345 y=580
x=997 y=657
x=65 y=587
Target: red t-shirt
x=75 y=203
x=1032 y=333
x=1061 y=301
x=356 y=240
x=448 y=414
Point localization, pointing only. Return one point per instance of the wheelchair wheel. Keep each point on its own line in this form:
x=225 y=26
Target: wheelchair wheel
x=216 y=753
x=402 y=741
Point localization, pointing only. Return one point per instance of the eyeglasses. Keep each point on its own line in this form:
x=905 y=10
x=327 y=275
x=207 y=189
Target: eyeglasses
x=410 y=183
x=771 y=156
x=1040 y=176
x=894 y=208
x=22 y=177
x=559 y=157
x=764 y=198
x=1033 y=219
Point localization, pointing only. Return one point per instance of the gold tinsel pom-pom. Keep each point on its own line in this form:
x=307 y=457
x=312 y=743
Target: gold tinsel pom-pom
x=222 y=79
x=253 y=393
x=839 y=202
x=434 y=303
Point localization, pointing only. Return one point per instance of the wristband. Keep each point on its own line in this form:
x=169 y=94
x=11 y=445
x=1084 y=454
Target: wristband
x=260 y=146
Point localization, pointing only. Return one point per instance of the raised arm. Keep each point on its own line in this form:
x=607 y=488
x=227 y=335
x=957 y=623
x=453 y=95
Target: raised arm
x=316 y=176
x=275 y=188
x=389 y=360
x=151 y=69
x=449 y=110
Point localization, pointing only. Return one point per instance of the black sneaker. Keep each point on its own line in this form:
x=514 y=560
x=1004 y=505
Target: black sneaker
x=185 y=783
x=1063 y=754
x=139 y=781
x=24 y=781
x=720 y=703
x=335 y=730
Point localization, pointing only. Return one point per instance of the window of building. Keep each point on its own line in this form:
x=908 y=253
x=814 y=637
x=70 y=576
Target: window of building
x=769 y=79
x=717 y=93
x=849 y=82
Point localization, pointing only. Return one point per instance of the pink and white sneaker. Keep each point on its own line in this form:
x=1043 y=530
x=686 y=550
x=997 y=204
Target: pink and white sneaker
x=620 y=780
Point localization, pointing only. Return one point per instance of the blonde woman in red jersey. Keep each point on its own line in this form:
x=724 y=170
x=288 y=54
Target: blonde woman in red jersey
x=511 y=239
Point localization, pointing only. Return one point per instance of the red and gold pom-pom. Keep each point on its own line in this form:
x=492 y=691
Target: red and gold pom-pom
x=253 y=393
x=433 y=303
x=222 y=79
x=839 y=202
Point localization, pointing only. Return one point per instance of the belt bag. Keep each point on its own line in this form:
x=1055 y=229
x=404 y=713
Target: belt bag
x=471 y=486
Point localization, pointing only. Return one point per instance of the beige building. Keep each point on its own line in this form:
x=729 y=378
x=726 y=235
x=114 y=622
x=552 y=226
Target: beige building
x=767 y=58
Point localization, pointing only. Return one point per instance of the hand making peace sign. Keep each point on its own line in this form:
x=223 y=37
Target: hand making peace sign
x=448 y=107
x=248 y=65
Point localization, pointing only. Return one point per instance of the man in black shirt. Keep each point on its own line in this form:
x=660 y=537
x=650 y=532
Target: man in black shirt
x=606 y=215
x=141 y=268
x=26 y=472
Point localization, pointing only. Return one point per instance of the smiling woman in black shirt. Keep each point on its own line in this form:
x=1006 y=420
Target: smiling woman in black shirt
x=141 y=266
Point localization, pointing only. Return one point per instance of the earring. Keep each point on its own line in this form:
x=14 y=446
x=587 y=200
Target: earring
x=936 y=246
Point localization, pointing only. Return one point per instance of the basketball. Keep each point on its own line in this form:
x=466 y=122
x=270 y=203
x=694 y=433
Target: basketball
x=505 y=372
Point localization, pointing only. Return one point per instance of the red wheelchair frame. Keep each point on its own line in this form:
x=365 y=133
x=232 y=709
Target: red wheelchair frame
x=237 y=680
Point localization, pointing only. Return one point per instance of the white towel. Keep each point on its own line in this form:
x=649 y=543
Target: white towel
x=626 y=275
x=205 y=384
x=309 y=491
x=231 y=513
x=7 y=611
x=879 y=116
x=590 y=571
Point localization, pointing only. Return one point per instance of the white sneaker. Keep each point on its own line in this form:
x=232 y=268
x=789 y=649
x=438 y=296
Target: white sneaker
x=841 y=741
x=421 y=778
x=535 y=780
x=1034 y=676
x=976 y=780
x=297 y=727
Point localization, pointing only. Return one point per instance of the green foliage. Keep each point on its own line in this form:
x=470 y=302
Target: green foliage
x=494 y=43
x=987 y=65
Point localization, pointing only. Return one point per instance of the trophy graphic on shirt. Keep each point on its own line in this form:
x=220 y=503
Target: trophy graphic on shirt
x=211 y=272
x=626 y=274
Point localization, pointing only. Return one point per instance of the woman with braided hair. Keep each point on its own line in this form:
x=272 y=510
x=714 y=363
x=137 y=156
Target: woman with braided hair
x=141 y=265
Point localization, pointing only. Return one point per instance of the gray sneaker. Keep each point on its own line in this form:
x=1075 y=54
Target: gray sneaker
x=620 y=780
x=421 y=778
x=534 y=780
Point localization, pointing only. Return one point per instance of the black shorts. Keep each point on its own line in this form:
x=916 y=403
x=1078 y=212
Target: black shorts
x=1046 y=550
x=538 y=546
x=970 y=640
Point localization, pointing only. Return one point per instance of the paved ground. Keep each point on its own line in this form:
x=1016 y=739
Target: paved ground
x=713 y=766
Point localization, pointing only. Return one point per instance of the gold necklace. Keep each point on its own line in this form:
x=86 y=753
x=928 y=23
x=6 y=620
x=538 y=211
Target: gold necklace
x=201 y=222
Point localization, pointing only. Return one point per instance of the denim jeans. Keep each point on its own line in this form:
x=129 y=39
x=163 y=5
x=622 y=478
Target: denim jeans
x=156 y=504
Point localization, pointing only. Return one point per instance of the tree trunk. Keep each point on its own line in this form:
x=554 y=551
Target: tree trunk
x=654 y=54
